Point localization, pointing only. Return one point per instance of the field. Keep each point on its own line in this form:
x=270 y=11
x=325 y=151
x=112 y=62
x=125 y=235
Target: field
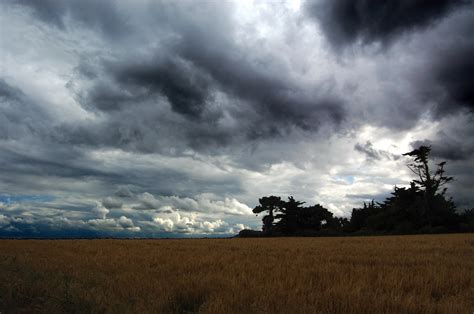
x=396 y=274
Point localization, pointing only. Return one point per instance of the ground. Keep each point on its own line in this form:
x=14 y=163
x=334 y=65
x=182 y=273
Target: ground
x=389 y=274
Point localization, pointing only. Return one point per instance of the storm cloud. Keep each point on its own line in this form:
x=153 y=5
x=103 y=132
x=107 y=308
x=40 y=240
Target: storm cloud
x=173 y=118
x=440 y=31
x=346 y=22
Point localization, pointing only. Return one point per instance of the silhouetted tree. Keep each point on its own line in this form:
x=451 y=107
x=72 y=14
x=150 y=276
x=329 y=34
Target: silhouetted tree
x=430 y=181
x=436 y=209
x=289 y=216
x=422 y=206
x=268 y=204
x=360 y=216
x=467 y=220
x=316 y=217
x=401 y=212
x=339 y=225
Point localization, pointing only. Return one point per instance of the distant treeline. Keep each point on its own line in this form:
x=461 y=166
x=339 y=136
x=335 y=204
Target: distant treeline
x=421 y=208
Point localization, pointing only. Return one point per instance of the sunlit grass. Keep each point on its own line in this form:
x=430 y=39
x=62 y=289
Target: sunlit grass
x=405 y=274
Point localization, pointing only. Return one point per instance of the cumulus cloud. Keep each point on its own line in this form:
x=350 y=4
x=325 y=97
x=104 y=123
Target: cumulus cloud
x=206 y=203
x=4 y=221
x=109 y=224
x=148 y=201
x=23 y=220
x=123 y=191
x=110 y=202
x=101 y=211
x=177 y=222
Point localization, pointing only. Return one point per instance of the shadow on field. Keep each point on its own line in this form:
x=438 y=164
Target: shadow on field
x=187 y=301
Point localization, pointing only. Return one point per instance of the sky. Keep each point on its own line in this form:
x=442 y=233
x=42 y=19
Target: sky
x=172 y=118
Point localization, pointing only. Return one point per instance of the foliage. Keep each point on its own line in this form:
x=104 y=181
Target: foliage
x=467 y=220
x=268 y=204
x=431 y=182
x=292 y=218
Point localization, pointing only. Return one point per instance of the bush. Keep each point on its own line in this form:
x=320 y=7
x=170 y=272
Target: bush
x=246 y=233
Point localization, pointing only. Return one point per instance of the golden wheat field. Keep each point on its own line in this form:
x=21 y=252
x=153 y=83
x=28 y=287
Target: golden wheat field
x=392 y=274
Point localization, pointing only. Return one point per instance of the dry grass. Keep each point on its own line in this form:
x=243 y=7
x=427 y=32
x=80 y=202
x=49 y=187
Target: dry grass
x=399 y=274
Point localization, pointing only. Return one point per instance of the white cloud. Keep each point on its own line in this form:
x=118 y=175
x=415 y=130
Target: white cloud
x=100 y=210
x=205 y=203
x=4 y=221
x=190 y=223
x=110 y=224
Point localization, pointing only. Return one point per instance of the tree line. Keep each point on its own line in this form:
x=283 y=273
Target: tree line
x=420 y=208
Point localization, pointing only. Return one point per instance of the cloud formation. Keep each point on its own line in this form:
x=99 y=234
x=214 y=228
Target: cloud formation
x=173 y=118
x=346 y=22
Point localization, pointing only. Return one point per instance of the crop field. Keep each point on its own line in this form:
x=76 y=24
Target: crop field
x=392 y=274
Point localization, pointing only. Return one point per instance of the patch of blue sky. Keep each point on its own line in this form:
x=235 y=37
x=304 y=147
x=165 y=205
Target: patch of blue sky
x=349 y=179
x=344 y=179
x=8 y=199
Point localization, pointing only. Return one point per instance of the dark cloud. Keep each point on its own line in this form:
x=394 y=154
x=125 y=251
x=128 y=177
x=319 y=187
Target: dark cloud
x=373 y=153
x=454 y=72
x=186 y=87
x=443 y=76
x=279 y=103
x=52 y=163
x=223 y=101
x=451 y=150
x=219 y=95
x=123 y=192
x=148 y=201
x=101 y=15
x=368 y=150
x=19 y=115
x=451 y=144
x=347 y=21
x=454 y=143
x=111 y=203
x=48 y=11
